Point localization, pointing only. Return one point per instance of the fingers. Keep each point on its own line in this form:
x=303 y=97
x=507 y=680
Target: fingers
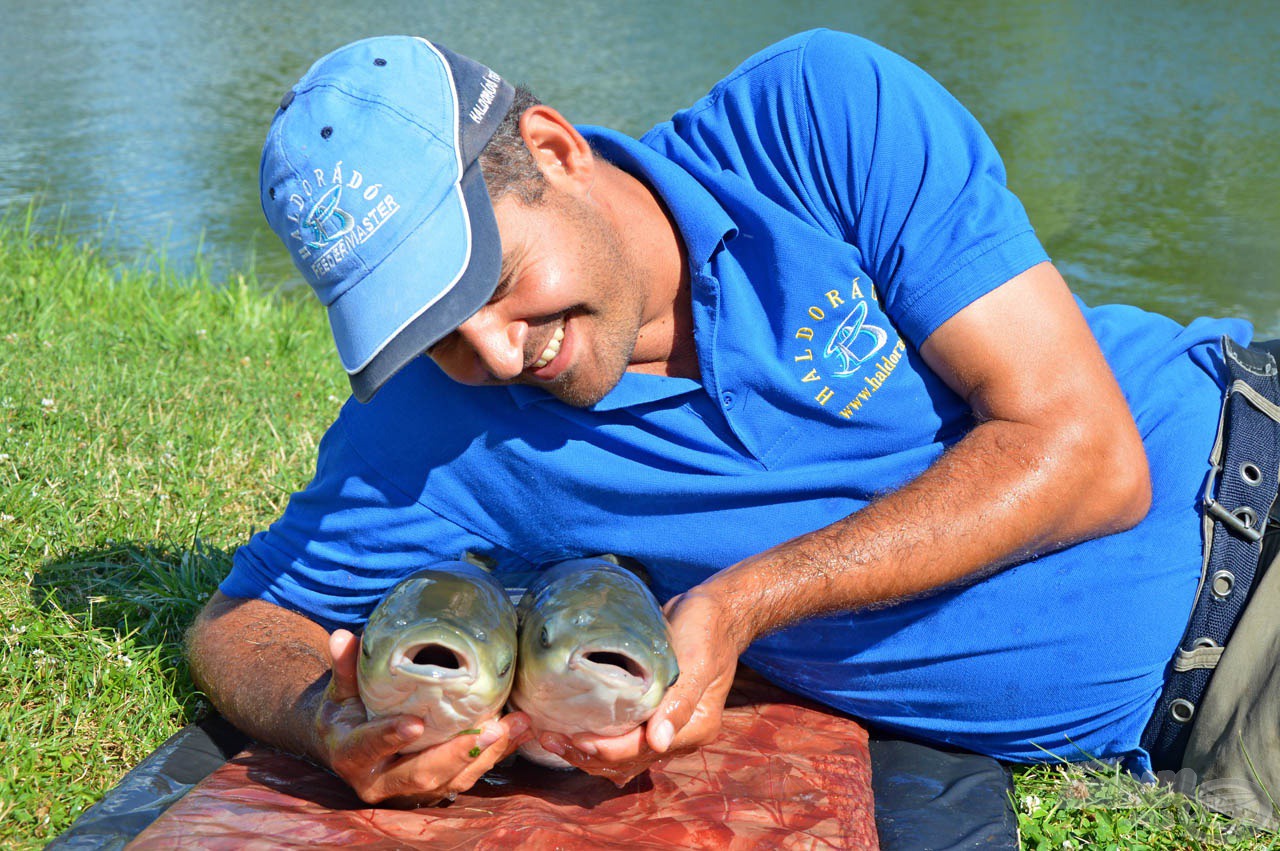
x=626 y=759
x=359 y=750
x=628 y=746
x=452 y=767
x=344 y=650
x=673 y=714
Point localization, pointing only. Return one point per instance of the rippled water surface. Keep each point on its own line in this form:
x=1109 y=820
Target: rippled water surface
x=1142 y=137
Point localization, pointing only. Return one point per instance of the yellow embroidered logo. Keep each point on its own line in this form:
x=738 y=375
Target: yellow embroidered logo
x=846 y=350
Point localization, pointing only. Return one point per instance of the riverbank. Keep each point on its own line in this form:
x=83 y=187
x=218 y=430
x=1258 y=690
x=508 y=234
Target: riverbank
x=148 y=424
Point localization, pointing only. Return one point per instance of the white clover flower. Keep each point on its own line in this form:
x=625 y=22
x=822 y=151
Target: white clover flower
x=1030 y=804
x=200 y=332
x=47 y=403
x=6 y=518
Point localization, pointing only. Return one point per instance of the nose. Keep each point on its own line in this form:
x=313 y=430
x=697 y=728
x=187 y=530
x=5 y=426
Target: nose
x=489 y=348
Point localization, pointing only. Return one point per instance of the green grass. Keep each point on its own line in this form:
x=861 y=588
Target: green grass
x=148 y=424
x=1101 y=807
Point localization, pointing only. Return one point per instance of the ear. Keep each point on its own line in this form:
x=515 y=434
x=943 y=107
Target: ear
x=561 y=153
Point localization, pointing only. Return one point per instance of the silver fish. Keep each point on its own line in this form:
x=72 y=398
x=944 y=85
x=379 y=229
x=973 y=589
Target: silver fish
x=595 y=653
x=441 y=645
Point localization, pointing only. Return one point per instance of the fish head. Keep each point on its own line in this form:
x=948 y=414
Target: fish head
x=440 y=646
x=595 y=649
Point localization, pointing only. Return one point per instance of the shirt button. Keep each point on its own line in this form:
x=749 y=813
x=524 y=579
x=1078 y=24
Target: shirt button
x=727 y=398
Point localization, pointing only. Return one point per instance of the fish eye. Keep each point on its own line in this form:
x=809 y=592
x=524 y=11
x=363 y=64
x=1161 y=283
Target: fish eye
x=545 y=637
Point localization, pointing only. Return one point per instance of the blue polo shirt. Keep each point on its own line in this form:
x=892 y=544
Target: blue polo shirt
x=837 y=206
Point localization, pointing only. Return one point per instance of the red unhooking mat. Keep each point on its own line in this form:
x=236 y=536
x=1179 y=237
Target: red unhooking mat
x=784 y=773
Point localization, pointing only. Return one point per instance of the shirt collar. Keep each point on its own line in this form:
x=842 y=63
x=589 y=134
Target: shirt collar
x=703 y=225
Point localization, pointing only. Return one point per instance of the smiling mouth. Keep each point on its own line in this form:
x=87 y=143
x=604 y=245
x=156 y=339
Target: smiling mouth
x=552 y=349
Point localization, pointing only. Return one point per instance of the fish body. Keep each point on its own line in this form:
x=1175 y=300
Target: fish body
x=595 y=653
x=441 y=645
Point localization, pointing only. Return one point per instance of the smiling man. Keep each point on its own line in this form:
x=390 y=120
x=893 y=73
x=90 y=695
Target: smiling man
x=798 y=351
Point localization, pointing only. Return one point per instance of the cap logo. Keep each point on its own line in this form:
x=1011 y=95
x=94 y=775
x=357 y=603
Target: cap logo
x=326 y=233
x=488 y=91
x=327 y=221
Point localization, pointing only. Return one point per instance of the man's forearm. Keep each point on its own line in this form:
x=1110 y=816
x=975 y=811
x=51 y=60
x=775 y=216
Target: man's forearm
x=1005 y=492
x=1055 y=458
x=264 y=668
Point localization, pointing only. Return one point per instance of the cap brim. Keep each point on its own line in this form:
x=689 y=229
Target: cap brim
x=383 y=322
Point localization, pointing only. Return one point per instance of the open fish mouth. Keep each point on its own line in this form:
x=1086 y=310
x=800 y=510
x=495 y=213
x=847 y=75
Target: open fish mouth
x=612 y=666
x=435 y=661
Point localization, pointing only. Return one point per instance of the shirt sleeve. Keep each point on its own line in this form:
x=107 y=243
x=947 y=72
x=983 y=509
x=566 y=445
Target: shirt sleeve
x=908 y=175
x=344 y=541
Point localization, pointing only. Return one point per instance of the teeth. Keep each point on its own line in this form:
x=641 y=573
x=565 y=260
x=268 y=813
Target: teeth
x=552 y=349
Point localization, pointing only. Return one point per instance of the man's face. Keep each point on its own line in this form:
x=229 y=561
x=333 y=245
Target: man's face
x=567 y=311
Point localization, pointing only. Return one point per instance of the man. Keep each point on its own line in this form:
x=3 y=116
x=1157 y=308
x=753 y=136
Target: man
x=798 y=351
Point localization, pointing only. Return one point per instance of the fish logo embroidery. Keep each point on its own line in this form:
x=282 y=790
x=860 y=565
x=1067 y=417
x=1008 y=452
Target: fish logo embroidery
x=327 y=222
x=853 y=344
x=846 y=334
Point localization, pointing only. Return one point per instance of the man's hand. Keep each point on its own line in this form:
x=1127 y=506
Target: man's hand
x=367 y=755
x=283 y=679
x=707 y=642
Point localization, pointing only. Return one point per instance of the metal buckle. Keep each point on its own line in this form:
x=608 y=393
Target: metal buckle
x=1244 y=528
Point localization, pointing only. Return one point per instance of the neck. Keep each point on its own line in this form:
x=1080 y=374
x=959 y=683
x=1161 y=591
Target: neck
x=665 y=344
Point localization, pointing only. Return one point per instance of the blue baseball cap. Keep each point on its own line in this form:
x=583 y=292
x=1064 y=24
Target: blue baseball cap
x=370 y=176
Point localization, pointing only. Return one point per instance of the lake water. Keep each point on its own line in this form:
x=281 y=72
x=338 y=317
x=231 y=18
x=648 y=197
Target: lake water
x=1141 y=136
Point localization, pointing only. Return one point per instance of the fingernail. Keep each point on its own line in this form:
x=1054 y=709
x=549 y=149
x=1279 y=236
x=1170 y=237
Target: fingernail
x=492 y=732
x=662 y=735
x=406 y=729
x=553 y=746
x=517 y=725
x=586 y=747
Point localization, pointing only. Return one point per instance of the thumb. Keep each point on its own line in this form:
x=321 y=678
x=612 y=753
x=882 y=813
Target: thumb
x=344 y=649
x=677 y=707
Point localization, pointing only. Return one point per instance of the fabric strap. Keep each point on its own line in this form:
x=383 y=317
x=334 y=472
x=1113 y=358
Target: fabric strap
x=1238 y=496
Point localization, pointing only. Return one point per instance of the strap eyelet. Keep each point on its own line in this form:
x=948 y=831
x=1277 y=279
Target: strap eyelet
x=1182 y=710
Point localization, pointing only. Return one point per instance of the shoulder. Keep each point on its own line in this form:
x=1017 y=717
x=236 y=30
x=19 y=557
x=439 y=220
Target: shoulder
x=818 y=81
x=813 y=64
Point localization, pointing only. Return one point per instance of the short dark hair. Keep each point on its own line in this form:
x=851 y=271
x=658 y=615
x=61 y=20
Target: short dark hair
x=507 y=164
